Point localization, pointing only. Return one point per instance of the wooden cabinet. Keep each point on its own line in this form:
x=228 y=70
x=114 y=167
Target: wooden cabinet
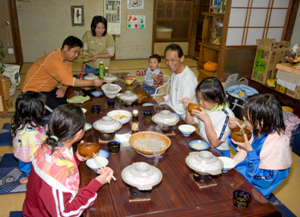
x=172 y=23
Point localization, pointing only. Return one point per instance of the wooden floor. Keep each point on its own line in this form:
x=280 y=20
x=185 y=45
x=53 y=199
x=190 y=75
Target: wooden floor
x=288 y=192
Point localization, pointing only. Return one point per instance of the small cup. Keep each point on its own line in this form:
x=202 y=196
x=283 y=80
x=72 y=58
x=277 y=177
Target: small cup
x=241 y=199
x=95 y=109
x=111 y=103
x=147 y=115
x=114 y=147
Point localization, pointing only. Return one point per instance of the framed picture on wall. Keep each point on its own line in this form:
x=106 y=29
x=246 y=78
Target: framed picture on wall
x=77 y=15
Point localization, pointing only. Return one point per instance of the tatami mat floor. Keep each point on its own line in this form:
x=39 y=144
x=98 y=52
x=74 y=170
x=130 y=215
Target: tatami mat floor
x=288 y=192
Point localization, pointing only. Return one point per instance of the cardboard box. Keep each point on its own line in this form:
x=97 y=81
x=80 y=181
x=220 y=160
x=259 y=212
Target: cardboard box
x=289 y=78
x=268 y=54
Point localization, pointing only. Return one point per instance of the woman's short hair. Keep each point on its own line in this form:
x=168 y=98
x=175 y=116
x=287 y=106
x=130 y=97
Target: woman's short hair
x=212 y=90
x=95 y=21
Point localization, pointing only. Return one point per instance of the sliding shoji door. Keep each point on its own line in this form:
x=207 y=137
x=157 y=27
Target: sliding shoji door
x=256 y=19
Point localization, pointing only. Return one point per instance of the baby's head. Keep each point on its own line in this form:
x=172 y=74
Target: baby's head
x=263 y=113
x=154 y=62
x=210 y=93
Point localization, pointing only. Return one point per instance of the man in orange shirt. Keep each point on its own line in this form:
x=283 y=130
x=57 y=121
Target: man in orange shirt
x=54 y=68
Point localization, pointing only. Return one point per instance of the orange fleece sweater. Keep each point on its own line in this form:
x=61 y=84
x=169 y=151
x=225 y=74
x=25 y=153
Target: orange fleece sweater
x=47 y=72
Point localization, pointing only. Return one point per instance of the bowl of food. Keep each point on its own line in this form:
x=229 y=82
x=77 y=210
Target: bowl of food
x=186 y=129
x=192 y=106
x=129 y=81
x=87 y=149
x=111 y=90
x=93 y=165
x=87 y=90
x=228 y=164
x=238 y=135
x=150 y=143
x=198 y=145
x=120 y=115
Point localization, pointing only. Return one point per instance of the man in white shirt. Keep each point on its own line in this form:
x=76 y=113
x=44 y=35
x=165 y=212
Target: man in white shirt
x=183 y=80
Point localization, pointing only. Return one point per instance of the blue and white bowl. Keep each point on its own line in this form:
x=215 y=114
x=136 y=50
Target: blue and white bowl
x=186 y=129
x=97 y=93
x=228 y=164
x=103 y=153
x=199 y=145
x=91 y=163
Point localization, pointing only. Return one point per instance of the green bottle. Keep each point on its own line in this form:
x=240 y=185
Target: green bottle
x=101 y=70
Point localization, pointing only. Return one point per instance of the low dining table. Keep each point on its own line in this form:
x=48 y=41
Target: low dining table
x=177 y=194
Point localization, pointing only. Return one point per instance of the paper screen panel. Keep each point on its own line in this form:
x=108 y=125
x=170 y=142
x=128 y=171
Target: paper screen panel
x=253 y=34
x=275 y=33
x=278 y=17
x=258 y=17
x=237 y=17
x=234 y=36
x=239 y=3
x=260 y=3
x=281 y=4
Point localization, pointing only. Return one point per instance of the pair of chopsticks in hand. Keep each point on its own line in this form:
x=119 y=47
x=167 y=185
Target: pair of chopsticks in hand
x=100 y=165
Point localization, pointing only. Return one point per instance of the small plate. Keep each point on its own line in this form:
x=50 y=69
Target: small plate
x=178 y=115
x=97 y=93
x=198 y=145
x=148 y=104
x=87 y=126
x=103 y=153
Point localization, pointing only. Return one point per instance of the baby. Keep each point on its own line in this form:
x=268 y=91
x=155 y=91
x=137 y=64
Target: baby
x=153 y=76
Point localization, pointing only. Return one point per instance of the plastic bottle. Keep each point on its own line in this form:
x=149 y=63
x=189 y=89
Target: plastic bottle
x=101 y=70
x=135 y=122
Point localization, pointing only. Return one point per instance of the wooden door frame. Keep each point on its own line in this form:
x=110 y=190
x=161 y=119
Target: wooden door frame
x=12 y=7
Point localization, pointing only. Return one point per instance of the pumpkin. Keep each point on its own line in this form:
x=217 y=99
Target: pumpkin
x=210 y=66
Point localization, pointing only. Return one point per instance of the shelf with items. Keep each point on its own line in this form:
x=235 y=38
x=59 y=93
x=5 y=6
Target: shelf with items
x=213 y=45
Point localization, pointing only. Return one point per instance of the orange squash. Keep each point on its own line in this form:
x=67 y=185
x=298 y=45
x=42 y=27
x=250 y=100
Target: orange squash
x=210 y=66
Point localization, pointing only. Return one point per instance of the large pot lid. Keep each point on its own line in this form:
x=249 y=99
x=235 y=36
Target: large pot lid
x=142 y=176
x=204 y=162
x=90 y=76
x=128 y=96
x=165 y=117
x=107 y=125
x=110 y=77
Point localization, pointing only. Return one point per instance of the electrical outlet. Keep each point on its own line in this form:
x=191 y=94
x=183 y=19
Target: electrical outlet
x=10 y=50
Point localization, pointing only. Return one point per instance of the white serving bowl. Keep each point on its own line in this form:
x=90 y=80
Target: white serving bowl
x=110 y=94
x=117 y=115
x=93 y=165
x=228 y=164
x=186 y=129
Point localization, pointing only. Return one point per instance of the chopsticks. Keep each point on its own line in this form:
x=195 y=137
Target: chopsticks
x=241 y=128
x=100 y=165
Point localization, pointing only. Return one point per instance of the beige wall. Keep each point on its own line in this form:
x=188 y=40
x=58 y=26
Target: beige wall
x=45 y=24
x=4 y=16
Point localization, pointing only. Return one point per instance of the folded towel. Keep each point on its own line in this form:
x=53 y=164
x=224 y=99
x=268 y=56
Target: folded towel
x=78 y=99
